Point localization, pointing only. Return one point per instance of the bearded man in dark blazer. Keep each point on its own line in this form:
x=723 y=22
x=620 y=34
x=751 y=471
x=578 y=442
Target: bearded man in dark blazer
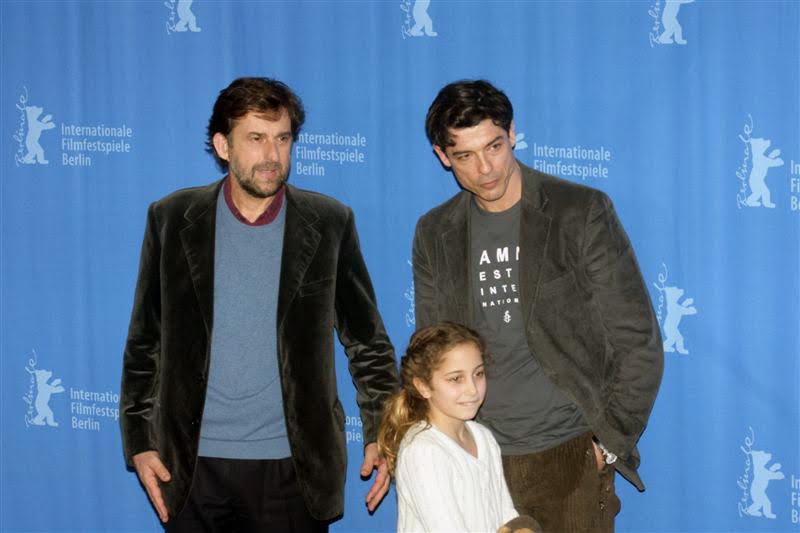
x=230 y=413
x=543 y=269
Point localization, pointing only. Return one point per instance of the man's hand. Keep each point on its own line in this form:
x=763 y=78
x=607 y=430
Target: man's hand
x=380 y=486
x=150 y=470
x=598 y=455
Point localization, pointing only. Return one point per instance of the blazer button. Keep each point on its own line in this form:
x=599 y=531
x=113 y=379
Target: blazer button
x=195 y=422
x=201 y=378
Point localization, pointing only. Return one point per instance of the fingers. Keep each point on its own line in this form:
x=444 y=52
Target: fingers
x=150 y=470
x=598 y=455
x=154 y=493
x=379 y=488
x=371 y=459
x=161 y=471
x=367 y=466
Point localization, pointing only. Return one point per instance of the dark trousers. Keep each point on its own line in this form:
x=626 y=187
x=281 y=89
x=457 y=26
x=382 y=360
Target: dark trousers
x=563 y=489
x=245 y=496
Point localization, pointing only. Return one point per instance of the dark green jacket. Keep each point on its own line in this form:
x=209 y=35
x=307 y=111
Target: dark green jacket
x=324 y=285
x=589 y=320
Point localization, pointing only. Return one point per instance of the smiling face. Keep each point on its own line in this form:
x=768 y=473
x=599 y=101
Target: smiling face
x=258 y=152
x=482 y=159
x=457 y=387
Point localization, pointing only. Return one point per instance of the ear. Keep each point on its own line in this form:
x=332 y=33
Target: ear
x=442 y=156
x=512 y=136
x=221 y=145
x=422 y=388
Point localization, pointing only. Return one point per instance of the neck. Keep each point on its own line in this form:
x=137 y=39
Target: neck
x=453 y=428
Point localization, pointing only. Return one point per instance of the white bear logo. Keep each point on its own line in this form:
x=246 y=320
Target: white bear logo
x=186 y=19
x=676 y=310
x=673 y=32
x=759 y=193
x=422 y=21
x=762 y=475
x=44 y=415
x=519 y=142
x=35 y=128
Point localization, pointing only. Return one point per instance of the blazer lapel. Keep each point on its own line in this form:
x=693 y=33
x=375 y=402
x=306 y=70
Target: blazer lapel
x=300 y=241
x=534 y=239
x=198 y=245
x=455 y=246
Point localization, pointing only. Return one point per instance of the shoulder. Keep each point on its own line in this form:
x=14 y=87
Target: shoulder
x=419 y=442
x=561 y=192
x=187 y=195
x=423 y=456
x=443 y=211
x=317 y=203
x=180 y=201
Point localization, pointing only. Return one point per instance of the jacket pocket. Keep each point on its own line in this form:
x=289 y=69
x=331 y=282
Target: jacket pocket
x=314 y=287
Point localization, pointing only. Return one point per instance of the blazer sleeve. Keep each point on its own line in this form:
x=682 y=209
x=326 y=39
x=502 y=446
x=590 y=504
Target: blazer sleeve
x=424 y=288
x=617 y=289
x=142 y=350
x=361 y=331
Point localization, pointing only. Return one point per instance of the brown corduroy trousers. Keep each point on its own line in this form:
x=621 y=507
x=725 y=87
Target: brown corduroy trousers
x=563 y=489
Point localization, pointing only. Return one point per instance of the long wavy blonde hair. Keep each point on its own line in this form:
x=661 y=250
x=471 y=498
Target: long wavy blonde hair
x=424 y=355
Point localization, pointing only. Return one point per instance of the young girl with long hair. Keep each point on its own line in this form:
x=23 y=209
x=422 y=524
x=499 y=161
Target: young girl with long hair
x=448 y=469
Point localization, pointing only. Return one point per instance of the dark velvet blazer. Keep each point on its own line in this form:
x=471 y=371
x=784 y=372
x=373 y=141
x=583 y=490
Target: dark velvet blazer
x=588 y=317
x=324 y=285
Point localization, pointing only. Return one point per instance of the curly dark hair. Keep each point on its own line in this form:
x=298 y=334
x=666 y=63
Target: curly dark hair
x=463 y=104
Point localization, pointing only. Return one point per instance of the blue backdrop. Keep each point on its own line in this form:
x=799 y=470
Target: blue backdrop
x=686 y=113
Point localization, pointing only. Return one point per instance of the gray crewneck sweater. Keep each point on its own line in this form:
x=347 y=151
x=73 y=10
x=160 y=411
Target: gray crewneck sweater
x=243 y=416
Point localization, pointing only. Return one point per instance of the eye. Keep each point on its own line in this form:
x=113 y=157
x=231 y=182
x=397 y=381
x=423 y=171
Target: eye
x=255 y=137
x=456 y=379
x=496 y=146
x=283 y=139
x=462 y=157
x=480 y=373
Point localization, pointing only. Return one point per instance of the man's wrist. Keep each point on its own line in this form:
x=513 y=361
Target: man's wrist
x=608 y=456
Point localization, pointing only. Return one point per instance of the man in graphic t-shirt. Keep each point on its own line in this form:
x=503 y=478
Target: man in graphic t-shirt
x=542 y=268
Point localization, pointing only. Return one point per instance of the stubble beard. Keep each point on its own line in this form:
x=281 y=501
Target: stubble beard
x=248 y=183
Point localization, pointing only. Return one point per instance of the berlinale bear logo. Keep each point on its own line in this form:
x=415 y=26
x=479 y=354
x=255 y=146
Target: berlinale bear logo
x=38 y=396
x=181 y=17
x=670 y=298
x=422 y=21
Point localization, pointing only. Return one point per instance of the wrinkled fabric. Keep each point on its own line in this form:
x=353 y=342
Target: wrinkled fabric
x=588 y=317
x=324 y=284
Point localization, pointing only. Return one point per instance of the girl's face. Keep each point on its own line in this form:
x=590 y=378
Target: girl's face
x=457 y=387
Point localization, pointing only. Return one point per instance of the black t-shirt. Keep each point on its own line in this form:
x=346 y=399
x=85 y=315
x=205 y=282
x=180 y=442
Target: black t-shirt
x=523 y=408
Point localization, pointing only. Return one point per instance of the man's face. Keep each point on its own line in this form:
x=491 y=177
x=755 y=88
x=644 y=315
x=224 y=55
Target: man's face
x=258 y=152
x=483 y=161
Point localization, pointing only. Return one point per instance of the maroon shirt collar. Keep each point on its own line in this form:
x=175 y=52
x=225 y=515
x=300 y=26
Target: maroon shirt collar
x=269 y=214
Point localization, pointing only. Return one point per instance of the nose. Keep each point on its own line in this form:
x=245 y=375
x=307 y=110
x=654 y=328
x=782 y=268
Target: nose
x=472 y=387
x=484 y=165
x=271 y=152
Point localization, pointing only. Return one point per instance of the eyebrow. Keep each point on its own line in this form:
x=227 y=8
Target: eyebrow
x=457 y=153
x=482 y=365
x=256 y=132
